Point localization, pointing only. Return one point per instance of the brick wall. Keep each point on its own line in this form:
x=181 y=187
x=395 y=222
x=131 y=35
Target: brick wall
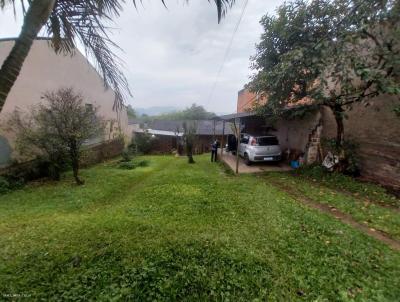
x=101 y=152
x=29 y=170
x=376 y=129
x=247 y=99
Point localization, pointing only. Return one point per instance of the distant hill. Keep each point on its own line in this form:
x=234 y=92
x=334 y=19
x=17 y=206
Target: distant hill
x=156 y=110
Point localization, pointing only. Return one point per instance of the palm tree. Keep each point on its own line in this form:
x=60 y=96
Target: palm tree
x=68 y=22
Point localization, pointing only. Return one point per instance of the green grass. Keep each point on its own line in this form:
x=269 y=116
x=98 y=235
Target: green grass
x=348 y=184
x=173 y=231
x=367 y=210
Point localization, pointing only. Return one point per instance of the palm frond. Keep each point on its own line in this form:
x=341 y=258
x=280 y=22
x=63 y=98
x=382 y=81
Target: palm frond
x=74 y=21
x=84 y=21
x=222 y=6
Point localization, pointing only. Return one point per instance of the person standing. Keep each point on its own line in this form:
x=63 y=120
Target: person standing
x=214 y=151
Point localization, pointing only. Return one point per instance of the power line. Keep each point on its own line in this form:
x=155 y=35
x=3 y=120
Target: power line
x=227 y=52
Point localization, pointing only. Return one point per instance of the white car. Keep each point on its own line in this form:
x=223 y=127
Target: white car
x=259 y=148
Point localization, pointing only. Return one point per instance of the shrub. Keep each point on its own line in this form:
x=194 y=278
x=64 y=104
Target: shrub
x=143 y=163
x=4 y=185
x=57 y=130
x=126 y=165
x=143 y=143
x=10 y=183
x=349 y=164
x=126 y=156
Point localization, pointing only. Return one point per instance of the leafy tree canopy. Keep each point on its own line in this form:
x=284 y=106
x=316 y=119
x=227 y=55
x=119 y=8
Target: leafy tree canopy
x=131 y=112
x=332 y=52
x=194 y=112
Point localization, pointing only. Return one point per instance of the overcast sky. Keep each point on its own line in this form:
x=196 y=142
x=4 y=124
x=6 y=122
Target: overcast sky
x=172 y=56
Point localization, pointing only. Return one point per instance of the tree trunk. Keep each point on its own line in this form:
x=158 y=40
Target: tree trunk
x=74 y=154
x=339 y=118
x=75 y=169
x=189 y=152
x=338 y=113
x=37 y=15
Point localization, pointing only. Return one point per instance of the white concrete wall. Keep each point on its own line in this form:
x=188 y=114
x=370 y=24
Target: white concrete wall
x=44 y=70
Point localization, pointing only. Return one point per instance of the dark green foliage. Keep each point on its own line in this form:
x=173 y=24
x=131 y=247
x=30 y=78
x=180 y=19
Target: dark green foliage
x=143 y=143
x=4 y=185
x=131 y=112
x=142 y=163
x=130 y=165
x=350 y=163
x=126 y=155
x=194 y=112
x=10 y=182
x=126 y=165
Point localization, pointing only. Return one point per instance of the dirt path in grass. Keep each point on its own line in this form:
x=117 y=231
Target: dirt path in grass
x=343 y=217
x=361 y=199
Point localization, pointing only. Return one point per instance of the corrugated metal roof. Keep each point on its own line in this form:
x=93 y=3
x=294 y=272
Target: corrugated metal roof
x=203 y=127
x=158 y=132
x=231 y=117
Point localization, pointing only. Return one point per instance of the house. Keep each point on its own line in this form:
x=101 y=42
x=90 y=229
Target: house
x=374 y=129
x=43 y=71
x=169 y=134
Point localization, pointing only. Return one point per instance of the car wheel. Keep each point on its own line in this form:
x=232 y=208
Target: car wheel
x=247 y=160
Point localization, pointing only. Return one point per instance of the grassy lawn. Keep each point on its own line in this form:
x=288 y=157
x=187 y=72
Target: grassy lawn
x=173 y=231
x=366 y=209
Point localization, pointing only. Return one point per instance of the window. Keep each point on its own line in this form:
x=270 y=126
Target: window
x=244 y=140
x=267 y=141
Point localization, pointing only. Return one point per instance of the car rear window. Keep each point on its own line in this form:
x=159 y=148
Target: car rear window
x=267 y=141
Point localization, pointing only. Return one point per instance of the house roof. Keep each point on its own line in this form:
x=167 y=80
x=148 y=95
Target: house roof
x=159 y=132
x=233 y=116
x=133 y=121
x=203 y=127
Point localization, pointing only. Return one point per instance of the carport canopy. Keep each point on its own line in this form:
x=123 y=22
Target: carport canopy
x=236 y=119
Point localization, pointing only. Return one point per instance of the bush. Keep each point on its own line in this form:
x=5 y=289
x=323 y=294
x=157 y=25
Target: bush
x=57 y=130
x=129 y=165
x=10 y=183
x=349 y=165
x=4 y=185
x=142 y=143
x=143 y=163
x=126 y=156
x=126 y=165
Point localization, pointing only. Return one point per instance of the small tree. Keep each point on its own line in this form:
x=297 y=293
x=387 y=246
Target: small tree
x=189 y=138
x=57 y=129
x=143 y=142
